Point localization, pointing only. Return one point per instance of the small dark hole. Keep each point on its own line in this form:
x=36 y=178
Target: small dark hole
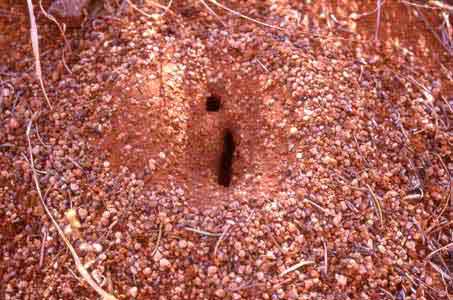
x=226 y=160
x=213 y=103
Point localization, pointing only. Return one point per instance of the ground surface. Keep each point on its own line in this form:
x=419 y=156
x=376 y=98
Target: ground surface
x=342 y=157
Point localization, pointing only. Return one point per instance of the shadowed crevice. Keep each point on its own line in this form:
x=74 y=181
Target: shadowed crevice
x=226 y=159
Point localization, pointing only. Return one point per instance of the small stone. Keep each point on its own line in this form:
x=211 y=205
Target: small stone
x=157 y=256
x=152 y=164
x=97 y=247
x=13 y=124
x=147 y=271
x=411 y=245
x=164 y=263
x=133 y=291
x=341 y=279
x=85 y=247
x=212 y=270
x=74 y=187
x=260 y=276
x=293 y=294
x=293 y=131
x=220 y=293
x=83 y=213
x=182 y=244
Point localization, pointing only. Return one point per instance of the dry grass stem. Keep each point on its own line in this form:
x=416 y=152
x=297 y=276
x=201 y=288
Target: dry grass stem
x=165 y=8
x=202 y=232
x=297 y=266
x=420 y=14
x=326 y=262
x=159 y=236
x=450 y=187
x=221 y=238
x=325 y=211
x=213 y=12
x=377 y=204
x=43 y=247
x=236 y=13
x=378 y=19
x=83 y=272
x=62 y=31
x=446 y=247
x=35 y=46
x=262 y=65
x=356 y=16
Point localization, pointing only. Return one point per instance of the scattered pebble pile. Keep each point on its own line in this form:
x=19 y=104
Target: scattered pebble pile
x=341 y=185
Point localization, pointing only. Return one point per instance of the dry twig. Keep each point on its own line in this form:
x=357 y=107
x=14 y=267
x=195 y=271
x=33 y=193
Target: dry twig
x=377 y=204
x=35 y=45
x=159 y=236
x=62 y=31
x=165 y=8
x=326 y=263
x=236 y=13
x=221 y=238
x=297 y=266
x=446 y=247
x=202 y=232
x=378 y=19
x=43 y=247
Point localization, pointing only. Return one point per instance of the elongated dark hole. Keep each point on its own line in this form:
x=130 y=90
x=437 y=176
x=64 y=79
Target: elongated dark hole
x=213 y=103
x=226 y=159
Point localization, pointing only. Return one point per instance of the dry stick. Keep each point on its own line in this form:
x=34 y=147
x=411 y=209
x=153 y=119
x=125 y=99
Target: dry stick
x=159 y=236
x=419 y=5
x=62 y=31
x=202 y=232
x=35 y=45
x=439 y=249
x=213 y=12
x=297 y=266
x=377 y=204
x=356 y=16
x=442 y=5
x=43 y=248
x=448 y=197
x=221 y=238
x=165 y=8
x=433 y=228
x=324 y=210
x=378 y=19
x=430 y=27
x=243 y=16
x=262 y=65
x=326 y=264
x=83 y=272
